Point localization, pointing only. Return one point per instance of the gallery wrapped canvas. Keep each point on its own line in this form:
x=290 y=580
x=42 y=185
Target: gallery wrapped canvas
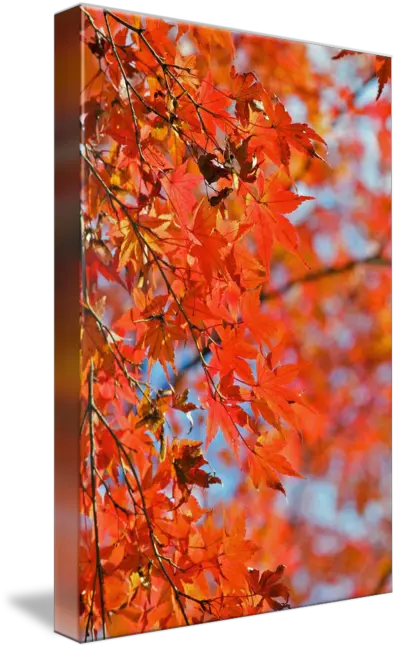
x=223 y=324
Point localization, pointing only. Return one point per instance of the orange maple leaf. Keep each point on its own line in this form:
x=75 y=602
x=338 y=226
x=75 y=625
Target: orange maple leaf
x=383 y=72
x=272 y=387
x=269 y=586
x=274 y=131
x=214 y=104
x=266 y=463
x=179 y=186
x=262 y=327
x=224 y=417
x=345 y=52
x=208 y=243
x=237 y=551
x=266 y=213
x=159 y=338
x=233 y=355
x=246 y=89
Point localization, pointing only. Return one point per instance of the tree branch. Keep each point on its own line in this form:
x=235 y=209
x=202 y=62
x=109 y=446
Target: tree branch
x=152 y=537
x=356 y=95
x=307 y=278
x=326 y=272
x=129 y=87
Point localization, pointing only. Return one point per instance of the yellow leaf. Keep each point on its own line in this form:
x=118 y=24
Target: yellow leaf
x=127 y=249
x=134 y=580
x=115 y=179
x=160 y=132
x=235 y=180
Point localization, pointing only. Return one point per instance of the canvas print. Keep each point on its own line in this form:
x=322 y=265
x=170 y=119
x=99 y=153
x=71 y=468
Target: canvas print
x=235 y=352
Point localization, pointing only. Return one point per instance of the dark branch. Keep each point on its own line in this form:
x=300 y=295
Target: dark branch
x=356 y=95
x=152 y=537
x=308 y=278
x=326 y=272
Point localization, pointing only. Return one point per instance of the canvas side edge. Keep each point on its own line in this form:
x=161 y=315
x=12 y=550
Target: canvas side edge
x=67 y=319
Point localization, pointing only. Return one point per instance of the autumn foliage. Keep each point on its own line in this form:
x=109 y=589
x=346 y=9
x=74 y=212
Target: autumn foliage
x=235 y=350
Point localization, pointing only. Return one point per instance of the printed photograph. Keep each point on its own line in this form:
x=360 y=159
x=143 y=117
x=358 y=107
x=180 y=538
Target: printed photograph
x=235 y=304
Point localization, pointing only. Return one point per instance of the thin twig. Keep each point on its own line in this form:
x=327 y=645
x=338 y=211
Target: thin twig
x=152 y=537
x=90 y=615
x=105 y=330
x=356 y=95
x=129 y=87
x=180 y=306
x=320 y=274
x=326 y=272
x=108 y=491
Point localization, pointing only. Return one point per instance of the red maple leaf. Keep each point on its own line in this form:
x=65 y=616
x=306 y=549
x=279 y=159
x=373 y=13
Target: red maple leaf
x=383 y=72
x=224 y=417
x=266 y=213
x=179 y=186
x=274 y=132
x=343 y=53
x=272 y=386
x=246 y=89
x=233 y=354
x=266 y=463
x=215 y=104
x=263 y=327
x=208 y=243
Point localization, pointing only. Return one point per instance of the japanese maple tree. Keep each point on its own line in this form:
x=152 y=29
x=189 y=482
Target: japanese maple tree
x=234 y=350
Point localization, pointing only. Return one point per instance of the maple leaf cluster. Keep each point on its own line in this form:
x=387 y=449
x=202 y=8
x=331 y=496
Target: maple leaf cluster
x=189 y=195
